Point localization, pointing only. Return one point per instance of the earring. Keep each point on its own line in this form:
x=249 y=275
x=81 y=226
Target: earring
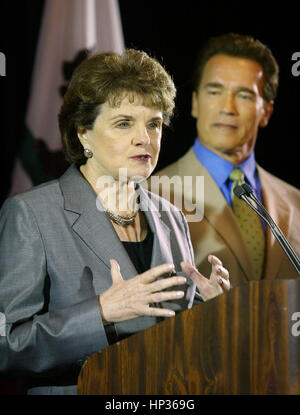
x=87 y=153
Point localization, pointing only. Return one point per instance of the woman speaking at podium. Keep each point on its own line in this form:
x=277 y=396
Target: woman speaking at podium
x=92 y=257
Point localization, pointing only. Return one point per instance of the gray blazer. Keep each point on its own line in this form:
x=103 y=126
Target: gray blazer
x=55 y=247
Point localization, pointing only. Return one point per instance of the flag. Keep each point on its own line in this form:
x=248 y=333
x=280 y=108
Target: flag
x=70 y=31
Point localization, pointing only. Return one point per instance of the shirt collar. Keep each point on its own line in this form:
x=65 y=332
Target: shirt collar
x=220 y=169
x=249 y=169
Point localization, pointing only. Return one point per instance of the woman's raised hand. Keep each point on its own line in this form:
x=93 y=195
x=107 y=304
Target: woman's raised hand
x=216 y=284
x=127 y=299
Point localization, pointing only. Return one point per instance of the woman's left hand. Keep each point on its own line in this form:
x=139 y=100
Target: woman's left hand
x=216 y=284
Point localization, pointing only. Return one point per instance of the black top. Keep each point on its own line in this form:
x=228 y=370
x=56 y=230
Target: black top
x=140 y=253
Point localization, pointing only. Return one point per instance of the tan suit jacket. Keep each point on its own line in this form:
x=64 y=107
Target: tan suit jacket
x=219 y=232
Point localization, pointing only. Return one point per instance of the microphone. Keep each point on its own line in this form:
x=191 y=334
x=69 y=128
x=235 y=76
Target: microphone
x=243 y=192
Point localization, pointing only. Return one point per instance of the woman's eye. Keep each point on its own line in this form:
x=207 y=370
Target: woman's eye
x=155 y=124
x=123 y=124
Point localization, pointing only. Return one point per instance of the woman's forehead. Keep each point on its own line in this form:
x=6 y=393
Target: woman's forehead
x=129 y=108
x=134 y=98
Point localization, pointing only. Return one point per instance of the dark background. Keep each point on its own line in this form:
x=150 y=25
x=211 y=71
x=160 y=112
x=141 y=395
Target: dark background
x=172 y=32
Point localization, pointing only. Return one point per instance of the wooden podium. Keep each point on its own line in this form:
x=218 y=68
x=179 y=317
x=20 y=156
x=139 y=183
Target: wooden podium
x=246 y=341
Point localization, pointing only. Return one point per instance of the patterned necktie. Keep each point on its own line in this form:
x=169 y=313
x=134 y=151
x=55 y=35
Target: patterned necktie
x=250 y=224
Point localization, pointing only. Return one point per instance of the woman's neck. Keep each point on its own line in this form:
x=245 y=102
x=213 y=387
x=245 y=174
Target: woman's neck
x=118 y=197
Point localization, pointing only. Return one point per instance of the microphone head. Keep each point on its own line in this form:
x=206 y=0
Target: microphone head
x=247 y=188
x=239 y=191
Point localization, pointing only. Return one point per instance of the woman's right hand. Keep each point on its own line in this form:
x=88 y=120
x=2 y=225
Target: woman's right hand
x=127 y=299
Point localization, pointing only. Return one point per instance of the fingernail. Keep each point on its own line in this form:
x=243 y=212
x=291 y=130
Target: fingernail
x=180 y=293
x=171 y=313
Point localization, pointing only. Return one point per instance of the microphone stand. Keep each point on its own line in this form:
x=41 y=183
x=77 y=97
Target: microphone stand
x=276 y=228
x=245 y=191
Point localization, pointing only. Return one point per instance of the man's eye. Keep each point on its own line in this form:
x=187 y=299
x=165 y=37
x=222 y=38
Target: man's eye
x=246 y=96
x=213 y=92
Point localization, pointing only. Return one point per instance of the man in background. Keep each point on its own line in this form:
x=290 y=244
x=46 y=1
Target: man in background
x=234 y=88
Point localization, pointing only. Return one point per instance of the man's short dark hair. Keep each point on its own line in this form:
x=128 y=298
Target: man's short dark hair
x=240 y=46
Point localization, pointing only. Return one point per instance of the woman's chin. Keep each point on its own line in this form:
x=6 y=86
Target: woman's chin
x=140 y=175
x=138 y=178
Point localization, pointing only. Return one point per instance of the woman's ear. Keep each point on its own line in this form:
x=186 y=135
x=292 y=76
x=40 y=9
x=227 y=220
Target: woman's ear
x=82 y=136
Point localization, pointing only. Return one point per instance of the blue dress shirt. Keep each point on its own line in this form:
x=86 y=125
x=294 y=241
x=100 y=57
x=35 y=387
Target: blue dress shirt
x=220 y=169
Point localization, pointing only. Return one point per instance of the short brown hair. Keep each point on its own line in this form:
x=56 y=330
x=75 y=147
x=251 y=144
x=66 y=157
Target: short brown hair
x=107 y=77
x=241 y=46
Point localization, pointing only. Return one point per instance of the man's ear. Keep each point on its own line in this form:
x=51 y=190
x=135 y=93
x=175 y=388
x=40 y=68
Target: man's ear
x=194 y=111
x=268 y=110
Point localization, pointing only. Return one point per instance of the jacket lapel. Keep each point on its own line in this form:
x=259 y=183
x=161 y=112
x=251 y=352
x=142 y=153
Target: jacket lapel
x=217 y=212
x=161 y=252
x=91 y=224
